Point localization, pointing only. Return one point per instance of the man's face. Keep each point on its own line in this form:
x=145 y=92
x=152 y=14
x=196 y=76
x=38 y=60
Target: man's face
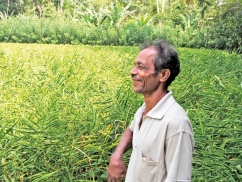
x=143 y=73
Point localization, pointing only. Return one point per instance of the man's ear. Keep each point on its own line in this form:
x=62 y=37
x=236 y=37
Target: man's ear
x=164 y=75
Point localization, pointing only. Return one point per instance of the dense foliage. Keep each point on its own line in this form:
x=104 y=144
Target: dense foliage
x=64 y=107
x=196 y=24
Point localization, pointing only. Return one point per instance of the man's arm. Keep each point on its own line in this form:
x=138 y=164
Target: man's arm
x=117 y=167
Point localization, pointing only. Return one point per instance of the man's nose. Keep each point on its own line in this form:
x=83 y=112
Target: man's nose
x=133 y=71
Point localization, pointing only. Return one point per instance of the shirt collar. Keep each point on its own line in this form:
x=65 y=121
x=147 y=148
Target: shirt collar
x=161 y=107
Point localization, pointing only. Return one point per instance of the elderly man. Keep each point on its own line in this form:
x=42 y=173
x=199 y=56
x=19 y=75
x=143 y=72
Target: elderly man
x=160 y=134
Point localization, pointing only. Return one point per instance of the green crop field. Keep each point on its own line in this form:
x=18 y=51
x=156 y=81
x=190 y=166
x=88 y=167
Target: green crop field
x=63 y=109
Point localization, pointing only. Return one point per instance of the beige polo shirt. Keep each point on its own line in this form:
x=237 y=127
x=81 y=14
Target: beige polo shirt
x=162 y=147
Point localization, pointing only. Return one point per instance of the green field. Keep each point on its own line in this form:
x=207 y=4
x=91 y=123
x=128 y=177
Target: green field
x=63 y=109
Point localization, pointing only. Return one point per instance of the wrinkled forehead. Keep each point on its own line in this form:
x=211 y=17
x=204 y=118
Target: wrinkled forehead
x=147 y=54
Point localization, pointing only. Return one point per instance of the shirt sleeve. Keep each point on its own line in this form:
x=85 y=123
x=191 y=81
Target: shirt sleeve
x=131 y=126
x=178 y=157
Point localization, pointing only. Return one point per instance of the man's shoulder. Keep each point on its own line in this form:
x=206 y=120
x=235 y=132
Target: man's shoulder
x=177 y=118
x=176 y=109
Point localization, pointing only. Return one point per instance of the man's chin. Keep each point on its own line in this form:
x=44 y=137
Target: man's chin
x=137 y=91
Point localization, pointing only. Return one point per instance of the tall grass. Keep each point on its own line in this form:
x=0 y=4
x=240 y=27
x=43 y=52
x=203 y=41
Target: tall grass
x=57 y=102
x=63 y=109
x=213 y=99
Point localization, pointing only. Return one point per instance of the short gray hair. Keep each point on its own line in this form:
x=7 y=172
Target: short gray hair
x=166 y=58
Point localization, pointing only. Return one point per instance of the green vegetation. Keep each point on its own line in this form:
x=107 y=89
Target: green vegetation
x=194 y=24
x=64 y=107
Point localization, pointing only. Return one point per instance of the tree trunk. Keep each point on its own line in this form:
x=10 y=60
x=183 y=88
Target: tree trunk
x=163 y=5
x=39 y=10
x=7 y=8
x=157 y=6
x=61 y=5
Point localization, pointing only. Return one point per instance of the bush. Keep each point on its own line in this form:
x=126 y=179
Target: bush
x=225 y=31
x=223 y=34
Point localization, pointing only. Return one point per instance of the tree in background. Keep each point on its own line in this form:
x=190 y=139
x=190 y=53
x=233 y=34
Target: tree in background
x=9 y=7
x=198 y=23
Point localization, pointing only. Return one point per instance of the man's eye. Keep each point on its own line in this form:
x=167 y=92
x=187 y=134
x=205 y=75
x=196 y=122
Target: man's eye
x=141 y=67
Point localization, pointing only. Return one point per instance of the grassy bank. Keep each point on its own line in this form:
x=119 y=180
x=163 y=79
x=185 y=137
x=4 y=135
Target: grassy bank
x=63 y=109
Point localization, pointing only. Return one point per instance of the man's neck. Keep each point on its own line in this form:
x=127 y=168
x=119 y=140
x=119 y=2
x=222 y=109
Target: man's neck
x=153 y=99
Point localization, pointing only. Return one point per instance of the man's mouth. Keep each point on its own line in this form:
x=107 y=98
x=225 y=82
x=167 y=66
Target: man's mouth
x=135 y=82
